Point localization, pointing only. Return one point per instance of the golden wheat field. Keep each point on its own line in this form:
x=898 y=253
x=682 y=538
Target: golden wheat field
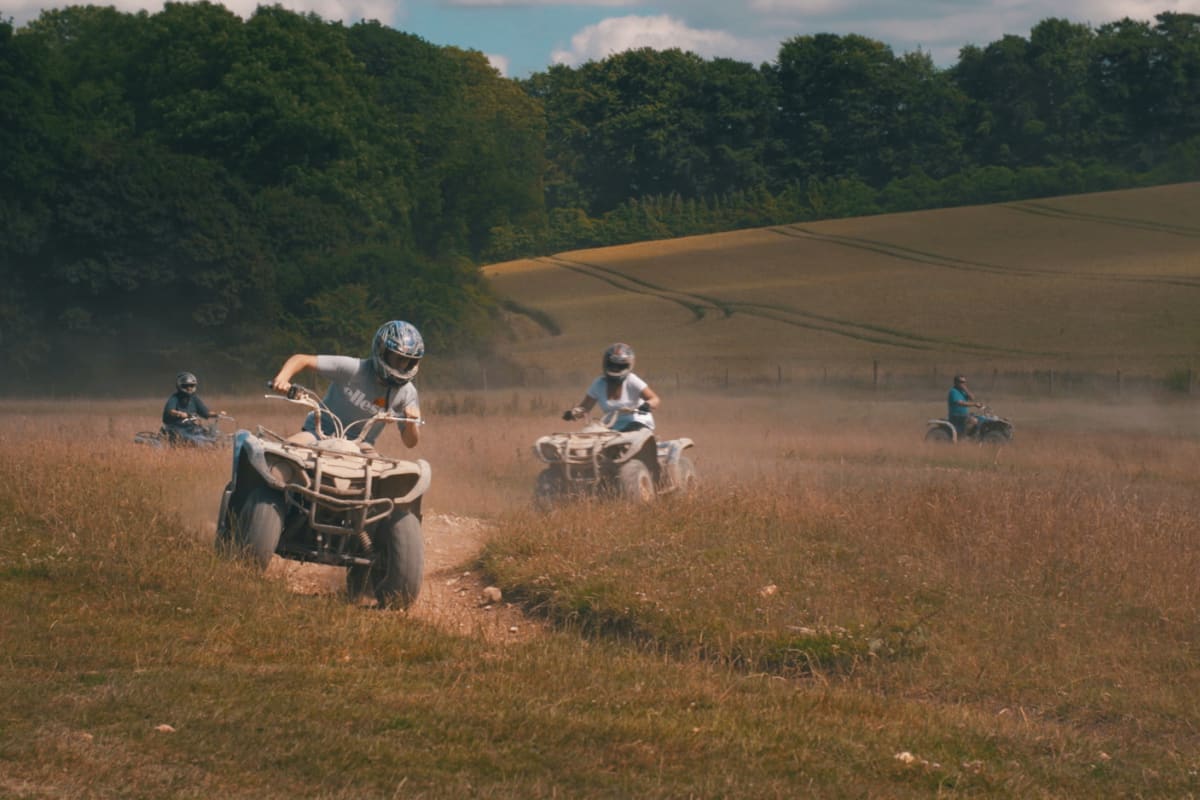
x=1100 y=282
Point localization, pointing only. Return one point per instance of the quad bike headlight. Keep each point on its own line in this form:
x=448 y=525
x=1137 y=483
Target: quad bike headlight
x=286 y=473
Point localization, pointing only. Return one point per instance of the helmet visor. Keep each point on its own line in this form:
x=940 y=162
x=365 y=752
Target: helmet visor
x=399 y=362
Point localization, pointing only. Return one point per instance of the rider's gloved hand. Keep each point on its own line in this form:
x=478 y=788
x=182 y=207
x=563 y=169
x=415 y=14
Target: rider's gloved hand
x=644 y=407
x=572 y=414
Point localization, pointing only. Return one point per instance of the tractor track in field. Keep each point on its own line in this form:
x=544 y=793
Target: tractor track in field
x=700 y=305
x=1047 y=210
x=976 y=267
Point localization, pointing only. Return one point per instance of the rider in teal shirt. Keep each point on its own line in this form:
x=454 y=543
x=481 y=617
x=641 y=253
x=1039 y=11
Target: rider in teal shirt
x=960 y=401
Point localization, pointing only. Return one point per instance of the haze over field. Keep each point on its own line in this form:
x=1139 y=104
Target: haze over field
x=1098 y=282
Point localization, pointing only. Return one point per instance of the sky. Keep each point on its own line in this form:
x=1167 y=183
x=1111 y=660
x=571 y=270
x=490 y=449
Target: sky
x=521 y=37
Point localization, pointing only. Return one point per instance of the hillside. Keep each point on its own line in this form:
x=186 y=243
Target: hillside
x=1098 y=282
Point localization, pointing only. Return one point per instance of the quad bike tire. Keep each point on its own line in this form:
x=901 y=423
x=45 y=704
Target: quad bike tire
x=939 y=435
x=259 y=525
x=685 y=476
x=395 y=577
x=150 y=438
x=635 y=483
x=224 y=539
x=996 y=436
x=549 y=489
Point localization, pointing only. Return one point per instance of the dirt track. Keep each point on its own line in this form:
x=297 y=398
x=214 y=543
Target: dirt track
x=452 y=593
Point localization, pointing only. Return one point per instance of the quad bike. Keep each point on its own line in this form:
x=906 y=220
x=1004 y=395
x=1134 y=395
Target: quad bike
x=197 y=432
x=988 y=429
x=598 y=460
x=332 y=501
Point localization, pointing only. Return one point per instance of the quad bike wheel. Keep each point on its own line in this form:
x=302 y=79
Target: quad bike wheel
x=635 y=482
x=685 y=476
x=395 y=577
x=150 y=438
x=259 y=525
x=939 y=435
x=549 y=488
x=996 y=436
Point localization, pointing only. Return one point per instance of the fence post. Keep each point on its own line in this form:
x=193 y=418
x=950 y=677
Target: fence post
x=1120 y=386
x=779 y=374
x=875 y=374
x=1051 y=383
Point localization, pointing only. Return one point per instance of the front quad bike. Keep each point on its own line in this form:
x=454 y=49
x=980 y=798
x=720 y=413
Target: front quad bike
x=192 y=432
x=334 y=501
x=598 y=460
x=989 y=429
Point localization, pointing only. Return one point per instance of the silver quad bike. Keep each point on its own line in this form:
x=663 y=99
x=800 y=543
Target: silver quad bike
x=989 y=428
x=192 y=432
x=333 y=501
x=599 y=461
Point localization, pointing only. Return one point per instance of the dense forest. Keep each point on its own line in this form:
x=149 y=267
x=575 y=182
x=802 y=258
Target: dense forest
x=188 y=187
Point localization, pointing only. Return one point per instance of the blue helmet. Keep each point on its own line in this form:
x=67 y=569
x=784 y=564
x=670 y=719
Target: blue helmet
x=396 y=352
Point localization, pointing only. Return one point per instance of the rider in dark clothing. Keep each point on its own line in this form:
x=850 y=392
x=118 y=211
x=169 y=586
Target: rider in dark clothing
x=182 y=406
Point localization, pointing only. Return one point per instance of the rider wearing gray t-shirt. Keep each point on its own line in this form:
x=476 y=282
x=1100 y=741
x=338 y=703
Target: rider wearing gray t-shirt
x=362 y=387
x=356 y=394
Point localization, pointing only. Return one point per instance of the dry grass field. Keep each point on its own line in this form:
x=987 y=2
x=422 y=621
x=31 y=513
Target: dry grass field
x=1099 y=282
x=842 y=610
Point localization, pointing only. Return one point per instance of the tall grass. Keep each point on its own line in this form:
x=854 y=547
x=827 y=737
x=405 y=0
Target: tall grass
x=1006 y=623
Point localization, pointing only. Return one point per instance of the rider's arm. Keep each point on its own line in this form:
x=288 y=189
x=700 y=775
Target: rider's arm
x=651 y=398
x=585 y=405
x=296 y=364
x=410 y=434
x=171 y=411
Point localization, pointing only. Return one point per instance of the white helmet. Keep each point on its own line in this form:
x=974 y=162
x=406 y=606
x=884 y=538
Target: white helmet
x=618 y=360
x=396 y=352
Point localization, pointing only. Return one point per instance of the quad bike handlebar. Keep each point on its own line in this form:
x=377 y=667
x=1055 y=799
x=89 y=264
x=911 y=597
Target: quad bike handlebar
x=306 y=397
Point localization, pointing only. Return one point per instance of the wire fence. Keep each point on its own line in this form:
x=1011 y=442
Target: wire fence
x=874 y=376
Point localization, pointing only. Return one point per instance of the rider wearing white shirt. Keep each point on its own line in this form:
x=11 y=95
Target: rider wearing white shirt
x=619 y=389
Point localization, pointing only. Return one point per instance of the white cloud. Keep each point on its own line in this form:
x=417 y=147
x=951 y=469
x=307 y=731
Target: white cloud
x=501 y=63
x=618 y=34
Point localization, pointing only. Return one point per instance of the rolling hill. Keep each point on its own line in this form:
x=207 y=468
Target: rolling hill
x=1098 y=282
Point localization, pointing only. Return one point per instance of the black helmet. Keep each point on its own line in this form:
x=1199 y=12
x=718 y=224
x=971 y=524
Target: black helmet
x=618 y=360
x=185 y=382
x=396 y=352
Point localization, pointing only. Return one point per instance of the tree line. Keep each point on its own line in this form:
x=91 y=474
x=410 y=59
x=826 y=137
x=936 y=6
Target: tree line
x=190 y=185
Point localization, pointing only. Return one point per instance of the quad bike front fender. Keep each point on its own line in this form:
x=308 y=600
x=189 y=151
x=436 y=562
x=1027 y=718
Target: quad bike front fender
x=253 y=465
x=943 y=427
x=670 y=450
x=639 y=444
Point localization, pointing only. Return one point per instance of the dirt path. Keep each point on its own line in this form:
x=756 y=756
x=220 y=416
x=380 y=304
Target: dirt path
x=452 y=595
